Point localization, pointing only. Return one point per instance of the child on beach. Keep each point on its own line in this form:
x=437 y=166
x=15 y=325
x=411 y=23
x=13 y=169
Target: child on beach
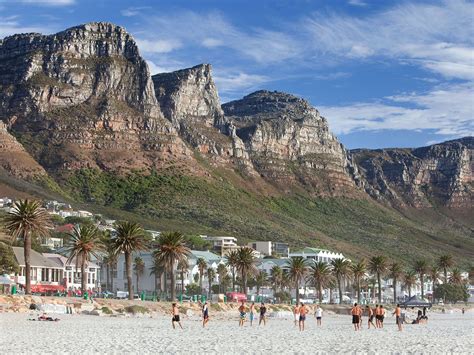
x=205 y=314
x=355 y=317
x=175 y=313
x=398 y=313
x=242 y=314
x=251 y=312
x=303 y=311
x=318 y=314
x=263 y=311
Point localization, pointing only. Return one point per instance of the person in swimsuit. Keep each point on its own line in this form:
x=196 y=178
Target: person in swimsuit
x=398 y=314
x=377 y=316
x=361 y=312
x=205 y=314
x=318 y=314
x=303 y=311
x=355 y=316
x=252 y=312
x=296 y=312
x=175 y=314
x=242 y=314
x=263 y=311
x=370 y=316
x=382 y=315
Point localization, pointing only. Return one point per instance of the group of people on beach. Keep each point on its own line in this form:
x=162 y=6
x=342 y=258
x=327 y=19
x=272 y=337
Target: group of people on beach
x=378 y=313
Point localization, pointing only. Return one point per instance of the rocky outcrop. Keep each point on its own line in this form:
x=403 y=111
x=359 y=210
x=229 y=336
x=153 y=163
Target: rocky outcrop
x=441 y=174
x=85 y=98
x=288 y=141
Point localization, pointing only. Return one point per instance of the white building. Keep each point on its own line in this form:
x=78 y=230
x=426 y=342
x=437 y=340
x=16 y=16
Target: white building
x=222 y=245
x=317 y=254
x=270 y=248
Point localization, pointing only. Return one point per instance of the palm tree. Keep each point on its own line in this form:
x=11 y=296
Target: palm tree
x=139 y=267
x=211 y=274
x=297 y=268
x=372 y=282
x=378 y=266
x=222 y=272
x=276 y=277
x=433 y=274
x=110 y=260
x=183 y=267
x=421 y=268
x=232 y=258
x=130 y=238
x=341 y=268
x=172 y=250
x=456 y=277
x=156 y=270
x=409 y=280
x=26 y=221
x=245 y=265
x=358 y=271
x=260 y=280
x=321 y=277
x=445 y=262
x=395 y=271
x=82 y=243
x=202 y=265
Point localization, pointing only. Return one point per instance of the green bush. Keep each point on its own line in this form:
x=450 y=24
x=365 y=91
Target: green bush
x=106 y=310
x=136 y=309
x=452 y=293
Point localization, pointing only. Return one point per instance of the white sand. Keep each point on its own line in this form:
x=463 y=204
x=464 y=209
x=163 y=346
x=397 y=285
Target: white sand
x=451 y=333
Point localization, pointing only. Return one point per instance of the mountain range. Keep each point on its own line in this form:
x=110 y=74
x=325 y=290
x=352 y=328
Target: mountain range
x=83 y=120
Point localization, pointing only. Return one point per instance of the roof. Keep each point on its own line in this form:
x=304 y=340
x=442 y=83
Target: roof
x=308 y=250
x=206 y=255
x=62 y=260
x=65 y=228
x=279 y=262
x=36 y=259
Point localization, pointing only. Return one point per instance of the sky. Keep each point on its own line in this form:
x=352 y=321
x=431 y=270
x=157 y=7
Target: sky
x=383 y=73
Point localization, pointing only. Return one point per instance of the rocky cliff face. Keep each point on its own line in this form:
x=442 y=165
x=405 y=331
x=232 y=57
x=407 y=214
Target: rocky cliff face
x=440 y=174
x=84 y=98
x=287 y=140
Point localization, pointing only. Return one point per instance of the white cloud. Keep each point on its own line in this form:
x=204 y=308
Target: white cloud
x=228 y=82
x=10 y=26
x=164 y=65
x=357 y=3
x=133 y=11
x=48 y=2
x=158 y=46
x=448 y=110
x=212 y=42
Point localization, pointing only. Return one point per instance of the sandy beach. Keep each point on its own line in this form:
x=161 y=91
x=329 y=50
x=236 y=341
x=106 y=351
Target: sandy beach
x=445 y=333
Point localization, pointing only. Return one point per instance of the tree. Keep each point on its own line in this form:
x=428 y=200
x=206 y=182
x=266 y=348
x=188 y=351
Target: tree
x=202 y=266
x=183 y=267
x=8 y=263
x=341 y=268
x=445 y=262
x=157 y=270
x=27 y=221
x=378 y=266
x=409 y=280
x=222 y=272
x=130 y=238
x=139 y=268
x=451 y=292
x=321 y=277
x=358 y=271
x=211 y=274
x=82 y=243
x=245 y=265
x=195 y=242
x=456 y=277
x=276 y=278
x=433 y=274
x=231 y=262
x=110 y=260
x=395 y=271
x=421 y=268
x=171 y=251
x=260 y=280
x=297 y=268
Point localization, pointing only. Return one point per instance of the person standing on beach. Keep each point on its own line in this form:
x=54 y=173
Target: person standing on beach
x=263 y=318
x=318 y=314
x=252 y=312
x=175 y=313
x=355 y=316
x=296 y=312
x=370 y=316
x=377 y=316
x=361 y=312
x=382 y=315
x=242 y=314
x=205 y=314
x=398 y=314
x=303 y=311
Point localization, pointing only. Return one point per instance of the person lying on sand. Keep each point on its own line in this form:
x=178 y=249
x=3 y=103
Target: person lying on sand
x=44 y=317
x=175 y=313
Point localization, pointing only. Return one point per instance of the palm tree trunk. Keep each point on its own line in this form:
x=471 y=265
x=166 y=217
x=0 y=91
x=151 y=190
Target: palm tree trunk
x=445 y=275
x=107 y=276
x=422 y=287
x=165 y=289
x=173 y=285
x=379 y=282
x=297 y=284
x=320 y=293
x=182 y=282
x=112 y=270
x=128 y=268
x=138 y=279
x=200 y=281
x=210 y=286
x=26 y=253
x=409 y=291
x=339 y=286
x=244 y=279
x=233 y=279
x=358 y=290
x=83 y=277
x=394 y=290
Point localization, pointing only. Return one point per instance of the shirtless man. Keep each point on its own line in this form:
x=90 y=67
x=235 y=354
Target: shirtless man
x=398 y=313
x=303 y=310
x=377 y=316
x=263 y=311
x=370 y=316
x=296 y=312
x=252 y=312
x=361 y=312
x=355 y=316
x=242 y=312
x=382 y=315
x=205 y=314
x=175 y=314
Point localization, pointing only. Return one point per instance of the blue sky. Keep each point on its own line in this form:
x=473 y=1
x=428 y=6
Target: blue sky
x=383 y=73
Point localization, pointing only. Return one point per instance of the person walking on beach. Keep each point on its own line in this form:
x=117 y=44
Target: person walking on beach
x=355 y=316
x=263 y=317
x=463 y=310
x=398 y=315
x=377 y=316
x=205 y=314
x=382 y=315
x=252 y=312
x=303 y=311
x=318 y=314
x=361 y=312
x=175 y=313
x=296 y=312
x=242 y=314
x=370 y=316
